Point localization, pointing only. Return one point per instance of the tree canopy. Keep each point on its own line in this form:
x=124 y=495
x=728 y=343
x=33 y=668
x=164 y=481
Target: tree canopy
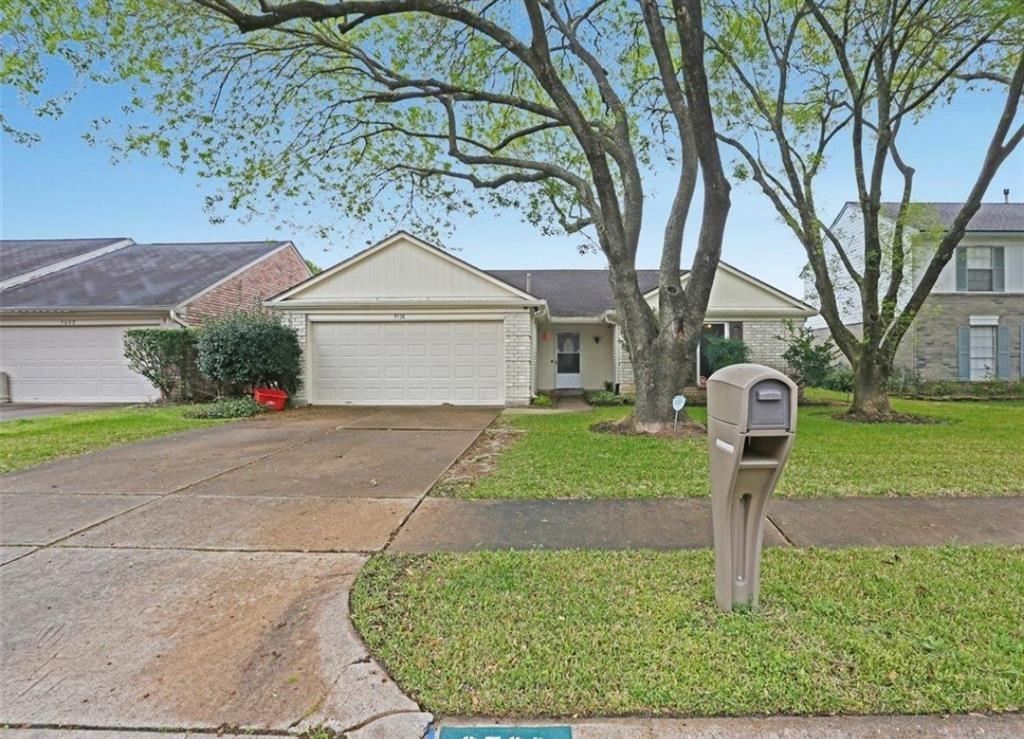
x=409 y=111
x=800 y=83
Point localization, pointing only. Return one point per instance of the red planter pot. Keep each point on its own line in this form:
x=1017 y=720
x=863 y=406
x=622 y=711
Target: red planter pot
x=270 y=397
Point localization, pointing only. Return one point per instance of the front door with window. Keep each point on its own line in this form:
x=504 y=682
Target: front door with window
x=567 y=361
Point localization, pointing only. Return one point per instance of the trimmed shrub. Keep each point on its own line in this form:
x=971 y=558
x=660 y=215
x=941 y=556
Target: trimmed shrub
x=722 y=352
x=604 y=397
x=243 y=407
x=542 y=401
x=811 y=361
x=250 y=348
x=167 y=358
x=839 y=378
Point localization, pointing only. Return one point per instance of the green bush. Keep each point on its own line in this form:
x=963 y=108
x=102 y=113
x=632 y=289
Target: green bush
x=724 y=352
x=915 y=387
x=250 y=348
x=167 y=358
x=810 y=360
x=226 y=408
x=839 y=378
x=604 y=397
x=542 y=401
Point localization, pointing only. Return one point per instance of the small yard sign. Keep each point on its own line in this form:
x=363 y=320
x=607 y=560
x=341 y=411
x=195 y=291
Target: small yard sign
x=506 y=732
x=678 y=403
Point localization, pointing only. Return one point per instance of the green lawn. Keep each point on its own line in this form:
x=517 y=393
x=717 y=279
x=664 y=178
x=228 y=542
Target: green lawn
x=612 y=633
x=975 y=450
x=29 y=441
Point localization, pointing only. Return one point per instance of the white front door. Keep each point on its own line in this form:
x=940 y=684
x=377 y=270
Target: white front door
x=567 y=361
x=407 y=363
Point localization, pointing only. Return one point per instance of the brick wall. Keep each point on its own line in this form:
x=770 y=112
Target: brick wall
x=247 y=290
x=297 y=320
x=623 y=366
x=762 y=338
x=520 y=348
x=930 y=347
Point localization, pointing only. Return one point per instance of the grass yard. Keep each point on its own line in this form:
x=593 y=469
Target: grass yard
x=612 y=633
x=975 y=450
x=29 y=441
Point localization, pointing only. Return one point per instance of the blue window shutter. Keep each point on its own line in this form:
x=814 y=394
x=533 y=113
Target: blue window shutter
x=963 y=351
x=961 y=270
x=1003 y=353
x=998 y=270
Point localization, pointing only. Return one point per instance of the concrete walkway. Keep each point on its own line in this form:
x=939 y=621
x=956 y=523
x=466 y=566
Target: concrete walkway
x=1004 y=726
x=442 y=524
x=201 y=580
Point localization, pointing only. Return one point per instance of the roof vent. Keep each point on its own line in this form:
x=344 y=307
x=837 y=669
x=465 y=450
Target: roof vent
x=528 y=279
x=1006 y=195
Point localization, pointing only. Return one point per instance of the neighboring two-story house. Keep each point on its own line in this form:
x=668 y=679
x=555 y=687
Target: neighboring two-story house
x=971 y=327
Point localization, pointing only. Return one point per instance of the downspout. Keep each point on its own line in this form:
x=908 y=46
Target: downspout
x=176 y=317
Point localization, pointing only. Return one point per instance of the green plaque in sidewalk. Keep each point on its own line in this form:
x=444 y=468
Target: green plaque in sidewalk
x=506 y=732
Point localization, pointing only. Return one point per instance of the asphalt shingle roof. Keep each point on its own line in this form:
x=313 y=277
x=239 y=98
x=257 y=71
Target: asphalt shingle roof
x=990 y=216
x=572 y=292
x=140 y=275
x=19 y=256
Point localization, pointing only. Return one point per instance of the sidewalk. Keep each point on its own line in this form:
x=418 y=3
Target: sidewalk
x=1004 y=726
x=445 y=524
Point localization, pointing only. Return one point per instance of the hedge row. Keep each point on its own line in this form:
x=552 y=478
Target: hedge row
x=226 y=356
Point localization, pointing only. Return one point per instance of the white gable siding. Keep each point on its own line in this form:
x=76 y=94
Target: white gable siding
x=403 y=270
x=733 y=295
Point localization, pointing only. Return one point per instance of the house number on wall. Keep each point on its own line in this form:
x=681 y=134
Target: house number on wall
x=399 y=316
x=67 y=322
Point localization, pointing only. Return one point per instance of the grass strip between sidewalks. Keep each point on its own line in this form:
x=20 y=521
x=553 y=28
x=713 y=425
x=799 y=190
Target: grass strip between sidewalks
x=616 y=633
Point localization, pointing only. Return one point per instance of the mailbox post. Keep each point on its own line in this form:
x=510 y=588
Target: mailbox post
x=751 y=423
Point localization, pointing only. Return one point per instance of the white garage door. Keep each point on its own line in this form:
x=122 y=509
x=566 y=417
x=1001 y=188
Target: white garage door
x=408 y=363
x=70 y=364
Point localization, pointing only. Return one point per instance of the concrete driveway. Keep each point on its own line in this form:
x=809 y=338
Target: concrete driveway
x=201 y=580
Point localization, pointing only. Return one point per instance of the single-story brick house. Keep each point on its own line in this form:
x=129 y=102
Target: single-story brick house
x=65 y=305
x=404 y=322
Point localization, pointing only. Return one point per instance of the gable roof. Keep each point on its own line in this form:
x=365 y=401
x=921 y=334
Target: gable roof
x=990 y=216
x=586 y=292
x=139 y=275
x=395 y=238
x=21 y=256
x=572 y=292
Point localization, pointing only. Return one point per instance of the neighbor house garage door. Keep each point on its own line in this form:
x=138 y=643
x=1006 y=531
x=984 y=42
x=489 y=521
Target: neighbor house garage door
x=408 y=363
x=70 y=364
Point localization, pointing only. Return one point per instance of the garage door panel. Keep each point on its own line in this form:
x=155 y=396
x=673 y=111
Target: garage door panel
x=67 y=364
x=408 y=363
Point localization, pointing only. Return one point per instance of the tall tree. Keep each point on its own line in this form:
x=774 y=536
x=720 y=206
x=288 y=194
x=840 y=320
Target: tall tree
x=802 y=80
x=417 y=109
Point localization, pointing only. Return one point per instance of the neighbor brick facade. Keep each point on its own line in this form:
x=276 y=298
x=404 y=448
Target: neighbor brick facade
x=264 y=279
x=929 y=349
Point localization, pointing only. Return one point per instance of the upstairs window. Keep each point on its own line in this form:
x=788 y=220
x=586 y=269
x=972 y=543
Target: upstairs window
x=979 y=269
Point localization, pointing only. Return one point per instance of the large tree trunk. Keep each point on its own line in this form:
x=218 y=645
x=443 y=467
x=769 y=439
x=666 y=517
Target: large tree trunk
x=870 y=397
x=661 y=372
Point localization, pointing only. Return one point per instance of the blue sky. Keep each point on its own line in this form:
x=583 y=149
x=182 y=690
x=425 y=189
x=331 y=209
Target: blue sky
x=63 y=188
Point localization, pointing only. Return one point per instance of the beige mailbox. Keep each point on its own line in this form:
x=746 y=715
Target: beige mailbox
x=751 y=422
